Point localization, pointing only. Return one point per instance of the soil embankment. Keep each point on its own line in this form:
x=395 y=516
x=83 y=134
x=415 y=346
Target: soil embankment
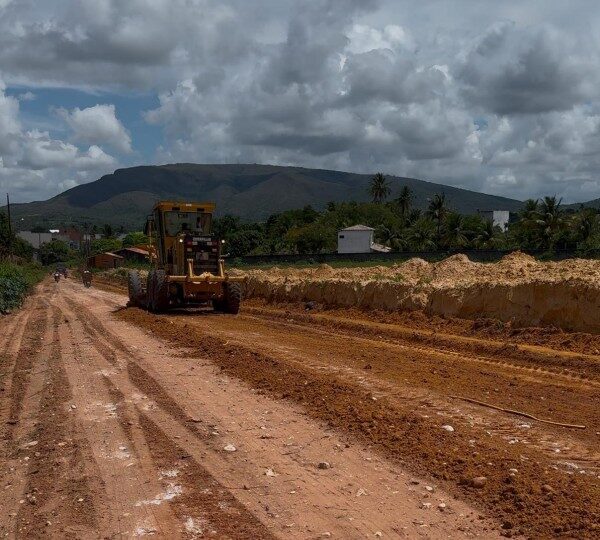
x=518 y=289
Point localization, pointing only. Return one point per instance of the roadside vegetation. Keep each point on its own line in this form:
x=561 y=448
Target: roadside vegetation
x=18 y=274
x=16 y=281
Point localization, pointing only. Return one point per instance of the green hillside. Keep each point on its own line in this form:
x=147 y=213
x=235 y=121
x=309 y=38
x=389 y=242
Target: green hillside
x=252 y=192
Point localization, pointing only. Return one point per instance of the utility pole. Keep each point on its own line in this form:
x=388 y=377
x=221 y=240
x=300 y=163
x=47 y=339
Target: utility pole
x=9 y=226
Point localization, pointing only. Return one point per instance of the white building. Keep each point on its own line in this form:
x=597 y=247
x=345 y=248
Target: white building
x=499 y=218
x=36 y=239
x=355 y=239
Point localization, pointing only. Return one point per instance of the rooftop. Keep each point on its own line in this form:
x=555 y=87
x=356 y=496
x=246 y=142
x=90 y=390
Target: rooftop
x=134 y=250
x=358 y=228
x=109 y=253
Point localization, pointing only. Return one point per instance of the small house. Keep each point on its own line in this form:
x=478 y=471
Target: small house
x=355 y=239
x=134 y=254
x=105 y=260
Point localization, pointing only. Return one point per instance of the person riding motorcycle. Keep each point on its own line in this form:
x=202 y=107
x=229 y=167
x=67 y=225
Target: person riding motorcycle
x=86 y=275
x=57 y=276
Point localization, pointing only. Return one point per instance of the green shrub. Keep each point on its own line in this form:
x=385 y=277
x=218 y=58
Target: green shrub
x=54 y=252
x=15 y=282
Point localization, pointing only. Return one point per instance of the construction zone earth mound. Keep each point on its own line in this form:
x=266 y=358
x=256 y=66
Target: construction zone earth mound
x=518 y=289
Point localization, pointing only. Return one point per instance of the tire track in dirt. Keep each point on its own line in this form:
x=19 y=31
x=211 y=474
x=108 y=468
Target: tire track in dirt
x=109 y=345
x=496 y=354
x=11 y=326
x=18 y=443
x=327 y=492
x=10 y=347
x=108 y=348
x=571 y=507
x=144 y=382
x=118 y=447
x=58 y=488
x=30 y=348
x=204 y=504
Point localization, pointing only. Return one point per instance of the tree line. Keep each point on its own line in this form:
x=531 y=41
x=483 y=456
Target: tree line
x=542 y=224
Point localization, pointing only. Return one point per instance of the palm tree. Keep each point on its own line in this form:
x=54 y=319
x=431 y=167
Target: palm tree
x=550 y=220
x=385 y=234
x=437 y=210
x=586 y=225
x=391 y=237
x=107 y=231
x=488 y=236
x=530 y=208
x=527 y=230
x=421 y=236
x=404 y=202
x=455 y=234
x=413 y=216
x=379 y=188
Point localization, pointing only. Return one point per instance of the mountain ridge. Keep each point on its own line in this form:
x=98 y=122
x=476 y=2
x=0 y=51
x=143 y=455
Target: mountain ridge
x=250 y=191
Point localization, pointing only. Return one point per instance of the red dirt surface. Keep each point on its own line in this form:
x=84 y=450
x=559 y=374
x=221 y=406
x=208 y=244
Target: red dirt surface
x=395 y=398
x=111 y=431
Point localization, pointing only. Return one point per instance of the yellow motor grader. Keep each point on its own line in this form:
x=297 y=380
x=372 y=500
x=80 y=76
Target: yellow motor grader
x=187 y=268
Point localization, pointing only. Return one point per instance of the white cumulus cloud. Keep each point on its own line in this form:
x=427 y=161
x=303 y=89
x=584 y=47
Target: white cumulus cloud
x=98 y=125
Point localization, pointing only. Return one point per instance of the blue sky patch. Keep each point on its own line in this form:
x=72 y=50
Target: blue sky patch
x=38 y=111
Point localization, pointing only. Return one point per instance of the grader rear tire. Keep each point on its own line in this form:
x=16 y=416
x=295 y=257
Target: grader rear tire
x=232 y=298
x=158 y=291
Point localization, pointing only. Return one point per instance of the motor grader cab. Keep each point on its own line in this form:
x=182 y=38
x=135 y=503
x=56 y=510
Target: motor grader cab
x=187 y=268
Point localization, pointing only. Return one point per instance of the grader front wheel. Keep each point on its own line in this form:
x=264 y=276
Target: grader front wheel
x=135 y=289
x=232 y=298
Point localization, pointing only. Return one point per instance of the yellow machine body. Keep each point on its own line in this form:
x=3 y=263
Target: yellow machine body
x=184 y=247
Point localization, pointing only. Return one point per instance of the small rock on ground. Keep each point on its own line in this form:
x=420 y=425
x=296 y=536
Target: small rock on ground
x=478 y=482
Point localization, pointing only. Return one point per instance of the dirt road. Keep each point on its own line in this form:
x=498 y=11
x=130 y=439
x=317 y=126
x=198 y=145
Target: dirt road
x=286 y=423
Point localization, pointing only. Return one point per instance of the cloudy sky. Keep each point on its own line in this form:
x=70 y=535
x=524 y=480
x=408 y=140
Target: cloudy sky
x=501 y=97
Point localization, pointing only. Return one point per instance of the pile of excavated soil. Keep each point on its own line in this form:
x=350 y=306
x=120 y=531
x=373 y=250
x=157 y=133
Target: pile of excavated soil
x=518 y=289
